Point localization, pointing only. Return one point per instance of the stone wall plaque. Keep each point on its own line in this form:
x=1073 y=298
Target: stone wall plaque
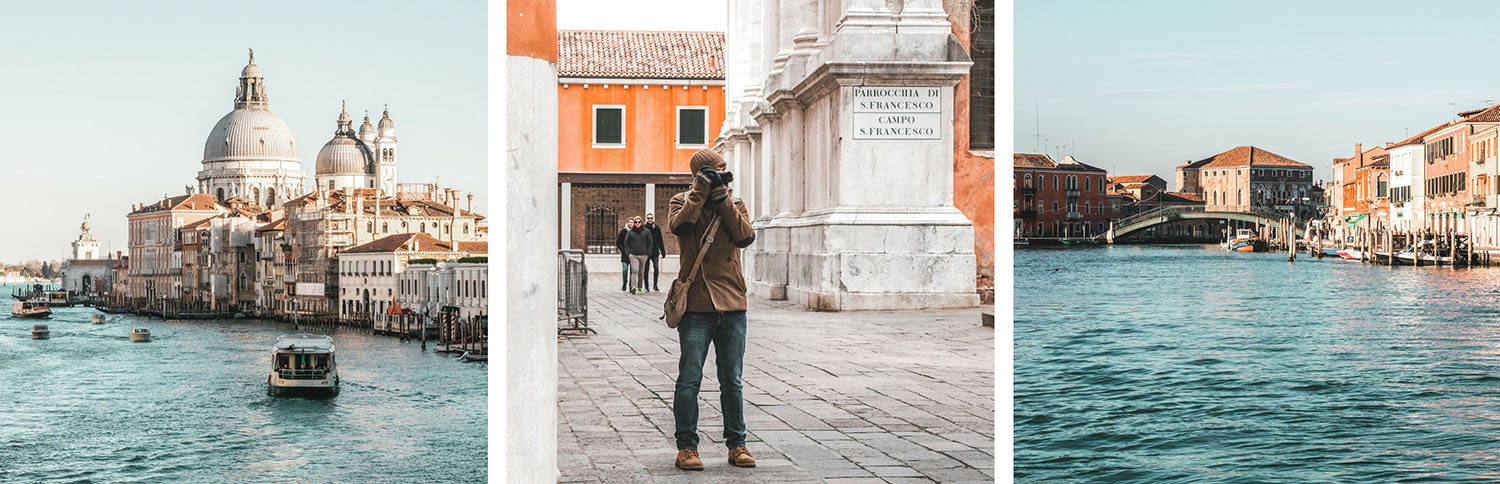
x=898 y=112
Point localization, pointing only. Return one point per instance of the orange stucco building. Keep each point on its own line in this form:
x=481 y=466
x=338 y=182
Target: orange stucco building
x=632 y=107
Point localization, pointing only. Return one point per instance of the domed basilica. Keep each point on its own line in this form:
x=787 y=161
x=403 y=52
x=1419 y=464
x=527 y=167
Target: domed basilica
x=251 y=153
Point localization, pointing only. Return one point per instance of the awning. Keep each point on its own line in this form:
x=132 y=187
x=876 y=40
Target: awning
x=1354 y=219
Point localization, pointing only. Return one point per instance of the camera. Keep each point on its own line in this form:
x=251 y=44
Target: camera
x=716 y=177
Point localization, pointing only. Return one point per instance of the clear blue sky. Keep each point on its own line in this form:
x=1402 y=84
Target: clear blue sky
x=1140 y=87
x=109 y=103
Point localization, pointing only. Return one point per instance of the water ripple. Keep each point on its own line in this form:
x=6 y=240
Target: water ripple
x=1179 y=364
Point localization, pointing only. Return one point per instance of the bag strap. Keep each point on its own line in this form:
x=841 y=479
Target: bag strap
x=708 y=239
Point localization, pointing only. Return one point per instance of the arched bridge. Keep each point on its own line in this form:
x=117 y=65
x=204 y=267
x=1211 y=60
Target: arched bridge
x=1145 y=220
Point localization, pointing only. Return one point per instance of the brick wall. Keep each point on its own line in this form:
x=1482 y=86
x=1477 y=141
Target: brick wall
x=626 y=200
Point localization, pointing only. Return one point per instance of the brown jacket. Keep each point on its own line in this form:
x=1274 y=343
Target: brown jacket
x=720 y=287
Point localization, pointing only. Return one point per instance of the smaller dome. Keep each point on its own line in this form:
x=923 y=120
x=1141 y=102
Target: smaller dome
x=366 y=129
x=251 y=71
x=345 y=155
x=385 y=120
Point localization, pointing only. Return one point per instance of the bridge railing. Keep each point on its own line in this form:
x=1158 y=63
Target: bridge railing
x=1257 y=211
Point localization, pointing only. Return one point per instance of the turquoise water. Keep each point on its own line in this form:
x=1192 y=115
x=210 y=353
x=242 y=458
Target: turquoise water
x=87 y=405
x=1181 y=364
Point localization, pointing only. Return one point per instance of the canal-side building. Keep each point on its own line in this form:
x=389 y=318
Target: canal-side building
x=1142 y=187
x=1365 y=184
x=1408 y=176
x=1247 y=177
x=368 y=272
x=85 y=273
x=323 y=223
x=1059 y=198
x=431 y=288
x=632 y=107
x=155 y=253
x=1483 y=219
x=1447 y=186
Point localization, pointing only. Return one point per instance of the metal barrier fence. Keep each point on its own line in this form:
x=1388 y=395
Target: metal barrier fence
x=572 y=292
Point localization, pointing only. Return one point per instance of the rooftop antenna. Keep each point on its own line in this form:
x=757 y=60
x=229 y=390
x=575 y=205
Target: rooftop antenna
x=1038 y=131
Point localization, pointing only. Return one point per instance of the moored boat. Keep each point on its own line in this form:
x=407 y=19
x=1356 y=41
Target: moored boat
x=303 y=364
x=30 y=309
x=59 y=299
x=40 y=331
x=140 y=335
x=96 y=319
x=1246 y=241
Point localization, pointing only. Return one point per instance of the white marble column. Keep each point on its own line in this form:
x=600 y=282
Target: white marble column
x=565 y=217
x=650 y=199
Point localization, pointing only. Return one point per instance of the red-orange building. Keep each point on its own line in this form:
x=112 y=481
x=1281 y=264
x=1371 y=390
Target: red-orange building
x=1059 y=198
x=632 y=107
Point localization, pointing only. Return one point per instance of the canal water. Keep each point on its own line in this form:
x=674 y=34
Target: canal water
x=1185 y=364
x=88 y=405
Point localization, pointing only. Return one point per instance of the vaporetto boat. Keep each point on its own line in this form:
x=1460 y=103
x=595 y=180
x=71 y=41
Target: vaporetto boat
x=303 y=364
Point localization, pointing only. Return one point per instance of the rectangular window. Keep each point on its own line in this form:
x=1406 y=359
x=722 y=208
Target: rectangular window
x=692 y=126
x=609 y=126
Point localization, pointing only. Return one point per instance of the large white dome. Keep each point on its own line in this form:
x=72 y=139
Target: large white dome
x=250 y=134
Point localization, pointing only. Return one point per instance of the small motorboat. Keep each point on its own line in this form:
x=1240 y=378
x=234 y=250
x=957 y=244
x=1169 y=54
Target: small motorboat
x=40 y=332
x=96 y=319
x=1422 y=254
x=140 y=335
x=30 y=309
x=303 y=364
x=1353 y=254
x=1246 y=241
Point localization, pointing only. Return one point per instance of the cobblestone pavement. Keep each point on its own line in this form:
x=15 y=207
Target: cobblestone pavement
x=854 y=397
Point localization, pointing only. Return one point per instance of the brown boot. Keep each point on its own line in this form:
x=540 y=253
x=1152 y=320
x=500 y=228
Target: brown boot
x=740 y=457
x=687 y=459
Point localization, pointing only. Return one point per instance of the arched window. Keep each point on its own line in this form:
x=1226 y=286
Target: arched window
x=385 y=227
x=256 y=191
x=370 y=227
x=447 y=229
x=466 y=228
x=270 y=197
x=220 y=194
x=422 y=227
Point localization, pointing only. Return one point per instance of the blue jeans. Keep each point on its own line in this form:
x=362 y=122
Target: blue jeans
x=727 y=333
x=624 y=274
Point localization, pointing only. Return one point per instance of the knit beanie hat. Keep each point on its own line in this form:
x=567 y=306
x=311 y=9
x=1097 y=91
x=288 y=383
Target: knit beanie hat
x=704 y=157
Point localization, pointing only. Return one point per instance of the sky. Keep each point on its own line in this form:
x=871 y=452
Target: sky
x=643 y=15
x=106 y=104
x=1141 y=87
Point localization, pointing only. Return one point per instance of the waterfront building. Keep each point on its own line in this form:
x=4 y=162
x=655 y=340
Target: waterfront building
x=632 y=107
x=842 y=117
x=366 y=159
x=1484 y=223
x=1408 y=176
x=85 y=273
x=250 y=153
x=368 y=272
x=322 y=223
x=430 y=288
x=1365 y=183
x=1059 y=198
x=155 y=255
x=275 y=281
x=1446 y=188
x=1142 y=187
x=1246 y=177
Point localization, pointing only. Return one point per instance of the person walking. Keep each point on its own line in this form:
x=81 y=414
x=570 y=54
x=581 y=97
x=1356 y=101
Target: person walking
x=658 y=252
x=638 y=244
x=624 y=256
x=715 y=308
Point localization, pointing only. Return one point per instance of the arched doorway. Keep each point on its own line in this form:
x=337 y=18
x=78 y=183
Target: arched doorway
x=86 y=286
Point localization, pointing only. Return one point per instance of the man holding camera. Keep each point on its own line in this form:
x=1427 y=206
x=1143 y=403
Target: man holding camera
x=715 y=305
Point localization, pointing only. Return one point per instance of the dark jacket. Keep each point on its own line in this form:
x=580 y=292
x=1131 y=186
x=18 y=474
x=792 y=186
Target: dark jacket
x=638 y=241
x=720 y=286
x=661 y=247
x=620 y=244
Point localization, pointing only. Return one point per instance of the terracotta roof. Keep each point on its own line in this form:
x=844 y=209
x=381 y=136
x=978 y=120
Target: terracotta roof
x=1419 y=136
x=196 y=201
x=417 y=242
x=278 y=224
x=1182 y=196
x=1131 y=178
x=1028 y=160
x=1486 y=115
x=1248 y=155
x=637 y=54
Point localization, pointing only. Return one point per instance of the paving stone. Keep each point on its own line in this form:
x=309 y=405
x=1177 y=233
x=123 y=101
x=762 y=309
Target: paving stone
x=822 y=403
